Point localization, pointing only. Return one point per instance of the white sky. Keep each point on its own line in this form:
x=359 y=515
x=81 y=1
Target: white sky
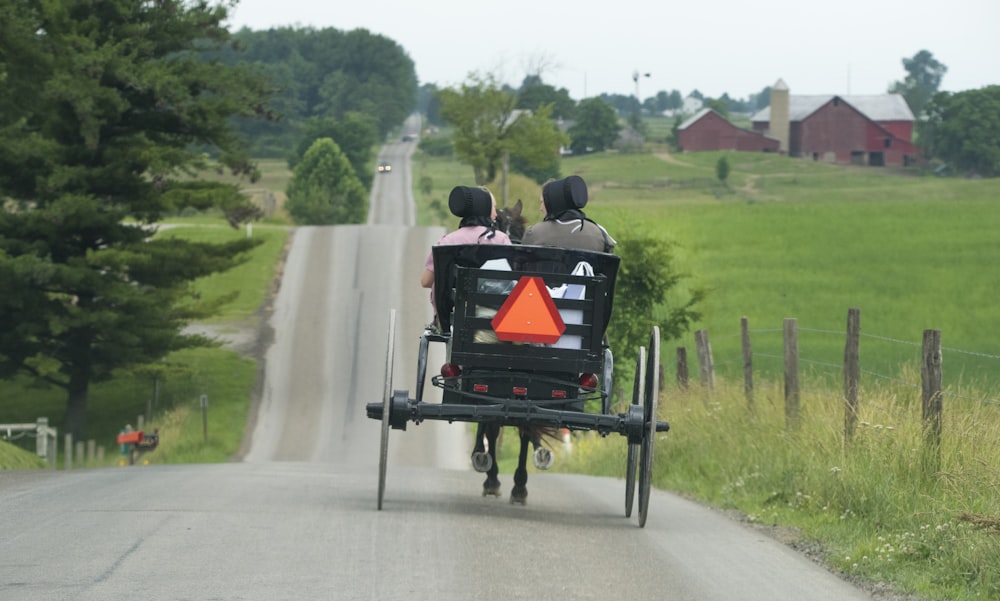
x=714 y=46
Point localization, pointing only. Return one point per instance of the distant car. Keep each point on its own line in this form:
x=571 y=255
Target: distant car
x=384 y=167
x=409 y=137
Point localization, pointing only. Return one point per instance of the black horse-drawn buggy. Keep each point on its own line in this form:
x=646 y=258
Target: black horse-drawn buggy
x=524 y=327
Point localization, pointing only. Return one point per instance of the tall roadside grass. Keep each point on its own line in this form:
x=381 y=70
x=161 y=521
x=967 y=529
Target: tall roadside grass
x=871 y=504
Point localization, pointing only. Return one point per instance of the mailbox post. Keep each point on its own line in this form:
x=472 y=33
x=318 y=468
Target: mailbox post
x=204 y=417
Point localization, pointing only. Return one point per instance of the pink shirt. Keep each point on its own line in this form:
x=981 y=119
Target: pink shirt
x=466 y=235
x=463 y=235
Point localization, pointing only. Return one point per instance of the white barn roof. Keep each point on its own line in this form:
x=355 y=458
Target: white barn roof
x=694 y=118
x=880 y=107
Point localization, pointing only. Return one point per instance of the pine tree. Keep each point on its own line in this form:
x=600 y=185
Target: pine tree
x=102 y=108
x=324 y=189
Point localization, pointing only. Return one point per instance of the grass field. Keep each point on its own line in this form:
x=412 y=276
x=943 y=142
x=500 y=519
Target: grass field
x=785 y=238
x=781 y=238
x=173 y=388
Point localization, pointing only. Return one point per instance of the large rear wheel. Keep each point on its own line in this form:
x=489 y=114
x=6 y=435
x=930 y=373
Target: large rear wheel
x=651 y=395
x=633 y=448
x=386 y=407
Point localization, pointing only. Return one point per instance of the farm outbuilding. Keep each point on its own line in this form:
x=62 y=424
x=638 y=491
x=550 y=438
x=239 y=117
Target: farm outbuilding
x=874 y=130
x=708 y=130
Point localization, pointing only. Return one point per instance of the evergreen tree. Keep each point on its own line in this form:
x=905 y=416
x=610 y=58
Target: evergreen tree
x=324 y=190
x=100 y=111
x=356 y=135
x=722 y=169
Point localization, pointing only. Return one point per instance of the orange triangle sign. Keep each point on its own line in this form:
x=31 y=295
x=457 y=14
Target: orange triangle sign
x=528 y=314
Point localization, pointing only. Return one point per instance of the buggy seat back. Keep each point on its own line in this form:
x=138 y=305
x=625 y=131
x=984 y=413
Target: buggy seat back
x=468 y=297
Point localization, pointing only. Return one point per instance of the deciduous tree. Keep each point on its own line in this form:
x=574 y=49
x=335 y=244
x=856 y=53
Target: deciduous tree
x=923 y=79
x=646 y=278
x=963 y=130
x=596 y=126
x=488 y=127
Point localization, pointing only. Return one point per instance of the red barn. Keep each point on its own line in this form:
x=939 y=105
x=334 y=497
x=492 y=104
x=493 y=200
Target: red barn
x=708 y=130
x=863 y=130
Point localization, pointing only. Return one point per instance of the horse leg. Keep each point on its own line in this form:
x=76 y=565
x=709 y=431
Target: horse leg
x=519 y=494
x=542 y=457
x=481 y=460
x=488 y=457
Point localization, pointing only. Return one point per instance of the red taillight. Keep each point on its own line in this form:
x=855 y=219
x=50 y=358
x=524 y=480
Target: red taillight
x=558 y=394
x=588 y=381
x=450 y=370
x=520 y=391
x=480 y=388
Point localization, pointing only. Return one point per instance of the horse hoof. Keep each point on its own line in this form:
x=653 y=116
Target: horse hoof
x=543 y=458
x=482 y=462
x=491 y=489
x=519 y=495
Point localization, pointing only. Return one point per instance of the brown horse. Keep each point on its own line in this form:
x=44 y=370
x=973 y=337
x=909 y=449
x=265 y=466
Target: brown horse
x=484 y=455
x=511 y=222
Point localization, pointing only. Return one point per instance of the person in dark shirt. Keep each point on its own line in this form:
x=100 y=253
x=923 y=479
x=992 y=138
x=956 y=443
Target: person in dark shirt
x=565 y=224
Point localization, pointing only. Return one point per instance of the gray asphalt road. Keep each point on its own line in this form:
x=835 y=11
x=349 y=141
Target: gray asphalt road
x=304 y=531
x=297 y=518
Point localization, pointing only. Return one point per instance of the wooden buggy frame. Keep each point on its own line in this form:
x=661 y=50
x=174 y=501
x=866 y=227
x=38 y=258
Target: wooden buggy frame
x=527 y=365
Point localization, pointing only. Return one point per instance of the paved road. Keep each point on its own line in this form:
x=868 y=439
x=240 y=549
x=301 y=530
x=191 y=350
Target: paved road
x=297 y=519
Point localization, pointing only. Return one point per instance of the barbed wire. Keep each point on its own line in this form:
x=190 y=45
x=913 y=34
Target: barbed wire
x=873 y=374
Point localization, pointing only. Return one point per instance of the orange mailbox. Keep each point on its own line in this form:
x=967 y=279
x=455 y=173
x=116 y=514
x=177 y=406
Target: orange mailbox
x=130 y=437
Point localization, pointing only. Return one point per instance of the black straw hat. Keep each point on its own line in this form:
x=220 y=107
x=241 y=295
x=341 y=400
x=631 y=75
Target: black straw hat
x=470 y=202
x=565 y=194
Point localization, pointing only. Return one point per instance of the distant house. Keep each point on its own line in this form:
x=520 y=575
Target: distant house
x=861 y=130
x=708 y=130
x=689 y=105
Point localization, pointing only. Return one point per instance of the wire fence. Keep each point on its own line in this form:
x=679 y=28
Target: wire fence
x=968 y=375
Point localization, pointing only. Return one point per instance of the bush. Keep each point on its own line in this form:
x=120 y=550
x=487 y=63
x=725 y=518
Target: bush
x=436 y=147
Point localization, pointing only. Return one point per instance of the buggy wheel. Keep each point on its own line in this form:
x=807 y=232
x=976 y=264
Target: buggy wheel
x=386 y=408
x=633 y=448
x=651 y=394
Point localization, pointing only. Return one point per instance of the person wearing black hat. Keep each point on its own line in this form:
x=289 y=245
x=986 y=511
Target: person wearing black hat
x=478 y=210
x=565 y=224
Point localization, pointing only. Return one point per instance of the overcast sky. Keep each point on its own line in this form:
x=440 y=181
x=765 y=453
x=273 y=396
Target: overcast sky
x=714 y=46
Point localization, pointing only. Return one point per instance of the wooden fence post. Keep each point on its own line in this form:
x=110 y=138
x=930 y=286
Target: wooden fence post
x=707 y=369
x=747 y=361
x=852 y=372
x=682 y=367
x=792 y=417
x=930 y=376
x=68 y=451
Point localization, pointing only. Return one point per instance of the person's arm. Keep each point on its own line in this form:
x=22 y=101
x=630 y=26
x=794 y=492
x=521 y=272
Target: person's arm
x=427 y=279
